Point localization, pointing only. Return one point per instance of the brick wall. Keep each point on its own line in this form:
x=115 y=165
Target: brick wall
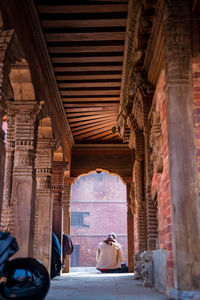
x=160 y=183
x=196 y=91
x=104 y=197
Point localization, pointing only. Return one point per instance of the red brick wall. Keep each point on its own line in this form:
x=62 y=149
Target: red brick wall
x=160 y=182
x=196 y=91
x=104 y=197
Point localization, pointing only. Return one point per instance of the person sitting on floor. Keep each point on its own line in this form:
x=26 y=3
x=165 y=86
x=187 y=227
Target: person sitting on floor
x=109 y=256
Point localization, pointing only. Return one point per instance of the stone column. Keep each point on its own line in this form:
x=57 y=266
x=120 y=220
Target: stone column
x=68 y=181
x=2 y=160
x=57 y=196
x=130 y=226
x=151 y=209
x=9 y=162
x=140 y=180
x=184 y=190
x=23 y=181
x=5 y=40
x=43 y=209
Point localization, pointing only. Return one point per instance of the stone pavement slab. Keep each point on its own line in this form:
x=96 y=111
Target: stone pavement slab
x=93 y=285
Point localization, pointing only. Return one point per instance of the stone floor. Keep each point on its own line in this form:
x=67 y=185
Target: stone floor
x=90 y=284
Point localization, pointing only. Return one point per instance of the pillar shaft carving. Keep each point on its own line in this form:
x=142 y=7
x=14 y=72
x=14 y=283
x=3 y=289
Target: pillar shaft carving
x=130 y=228
x=23 y=180
x=68 y=181
x=57 y=196
x=151 y=208
x=9 y=162
x=139 y=175
x=5 y=39
x=43 y=207
x=2 y=161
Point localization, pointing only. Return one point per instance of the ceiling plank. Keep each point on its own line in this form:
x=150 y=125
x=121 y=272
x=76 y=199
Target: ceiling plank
x=89 y=109
x=83 y=123
x=88 y=36
x=83 y=23
x=100 y=126
x=91 y=124
x=77 y=9
x=87 y=59
x=91 y=104
x=86 y=99
x=93 y=132
x=86 y=49
x=91 y=113
x=111 y=136
x=88 y=84
x=87 y=69
x=89 y=117
x=88 y=77
x=95 y=92
x=101 y=135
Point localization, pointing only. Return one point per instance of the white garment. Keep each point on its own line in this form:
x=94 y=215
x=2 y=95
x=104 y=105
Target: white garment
x=109 y=256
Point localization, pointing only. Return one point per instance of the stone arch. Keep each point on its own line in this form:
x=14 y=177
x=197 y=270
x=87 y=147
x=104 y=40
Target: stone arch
x=99 y=170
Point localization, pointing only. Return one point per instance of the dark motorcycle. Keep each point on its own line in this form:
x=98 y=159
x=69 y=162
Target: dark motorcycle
x=21 y=278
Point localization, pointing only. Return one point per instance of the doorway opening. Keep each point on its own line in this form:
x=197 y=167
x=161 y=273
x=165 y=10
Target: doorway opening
x=98 y=207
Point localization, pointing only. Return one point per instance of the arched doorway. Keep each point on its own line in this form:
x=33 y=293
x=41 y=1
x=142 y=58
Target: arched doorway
x=98 y=206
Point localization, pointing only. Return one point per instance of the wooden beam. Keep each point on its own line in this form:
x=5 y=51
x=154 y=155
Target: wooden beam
x=87 y=59
x=85 y=99
x=111 y=136
x=95 y=92
x=101 y=135
x=83 y=123
x=93 y=132
x=91 y=104
x=88 y=84
x=77 y=9
x=90 y=109
x=106 y=112
x=92 y=128
x=92 y=124
x=86 y=49
x=88 y=36
x=78 y=119
x=88 y=77
x=83 y=23
x=87 y=69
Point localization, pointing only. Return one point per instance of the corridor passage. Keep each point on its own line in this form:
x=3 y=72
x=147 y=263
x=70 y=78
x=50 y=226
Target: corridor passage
x=92 y=285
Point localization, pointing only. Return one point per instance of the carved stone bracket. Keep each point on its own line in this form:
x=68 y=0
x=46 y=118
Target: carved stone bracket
x=156 y=143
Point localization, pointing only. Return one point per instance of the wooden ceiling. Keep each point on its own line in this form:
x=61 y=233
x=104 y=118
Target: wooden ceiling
x=85 y=41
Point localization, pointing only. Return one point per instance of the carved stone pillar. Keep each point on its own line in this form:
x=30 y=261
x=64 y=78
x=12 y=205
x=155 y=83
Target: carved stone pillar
x=184 y=192
x=151 y=209
x=57 y=196
x=9 y=162
x=141 y=204
x=2 y=160
x=140 y=183
x=43 y=209
x=68 y=181
x=5 y=39
x=23 y=181
x=130 y=225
